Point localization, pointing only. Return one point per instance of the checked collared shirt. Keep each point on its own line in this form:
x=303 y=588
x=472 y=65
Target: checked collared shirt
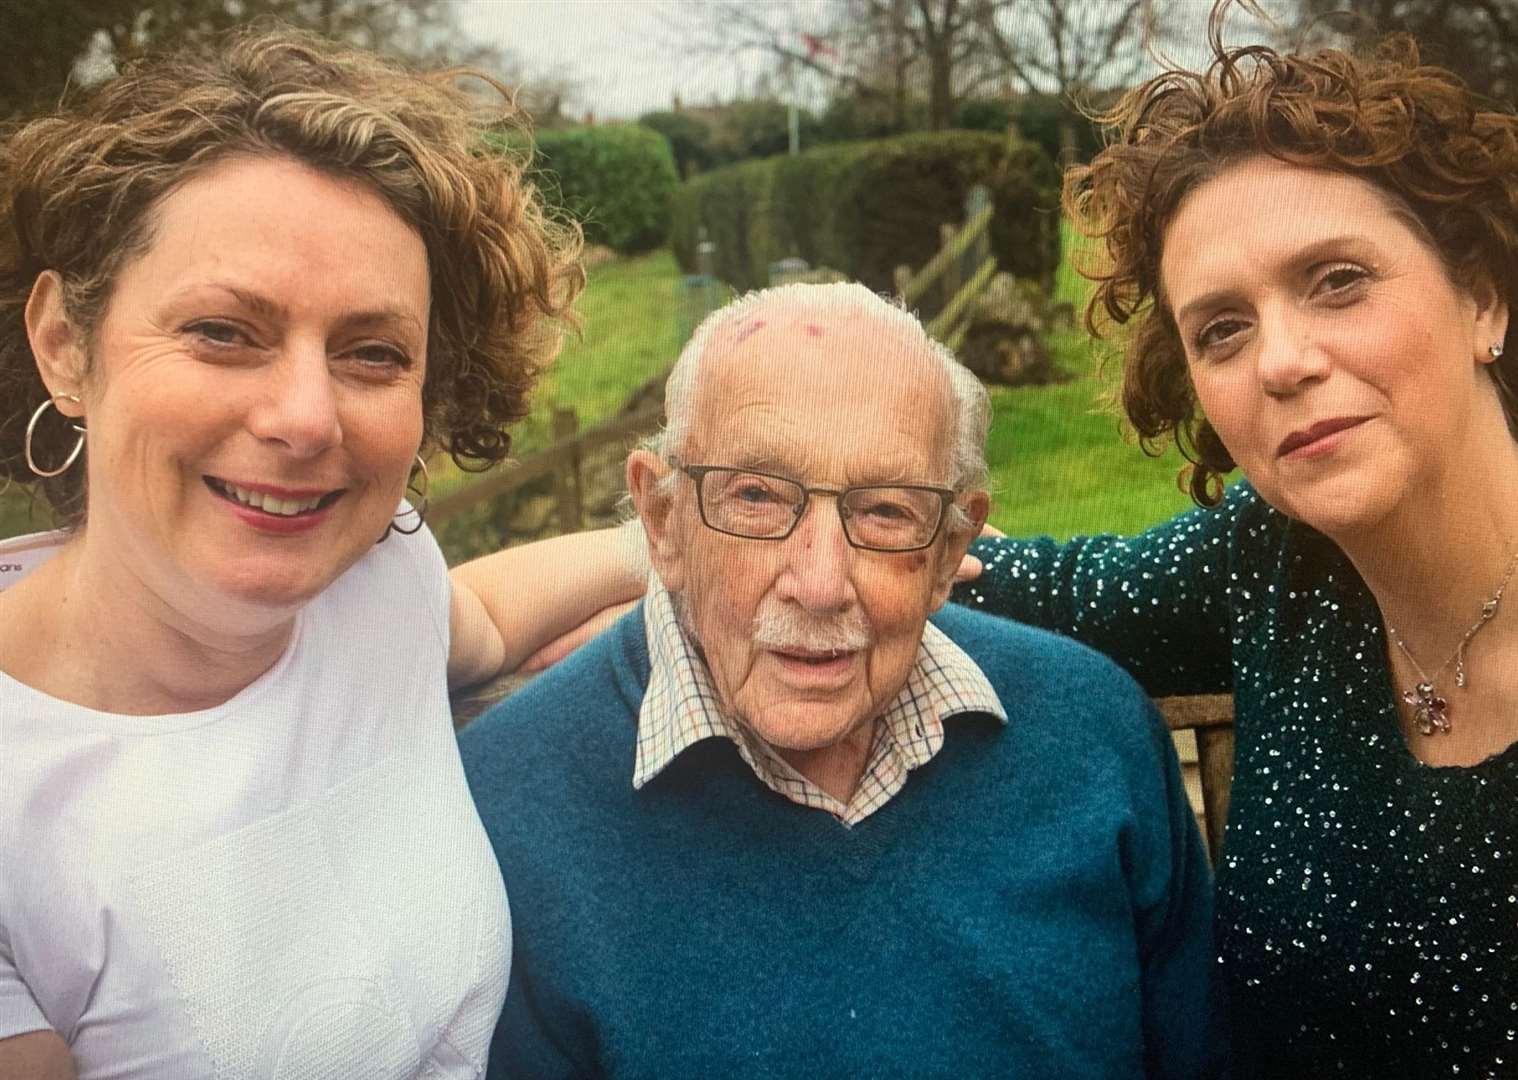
x=681 y=708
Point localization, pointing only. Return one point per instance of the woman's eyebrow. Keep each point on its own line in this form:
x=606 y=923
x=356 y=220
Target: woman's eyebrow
x=1293 y=263
x=269 y=308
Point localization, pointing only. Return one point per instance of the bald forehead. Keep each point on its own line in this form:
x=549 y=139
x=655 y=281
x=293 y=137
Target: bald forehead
x=785 y=366
x=787 y=334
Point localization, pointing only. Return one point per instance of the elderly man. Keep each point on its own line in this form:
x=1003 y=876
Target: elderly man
x=778 y=823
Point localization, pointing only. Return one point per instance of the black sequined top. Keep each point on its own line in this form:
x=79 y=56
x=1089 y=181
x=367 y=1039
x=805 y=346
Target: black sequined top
x=1367 y=903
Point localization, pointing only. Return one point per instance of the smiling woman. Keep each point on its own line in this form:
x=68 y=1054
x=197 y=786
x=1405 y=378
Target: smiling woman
x=241 y=298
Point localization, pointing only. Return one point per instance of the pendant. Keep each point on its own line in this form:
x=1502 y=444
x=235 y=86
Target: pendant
x=1429 y=709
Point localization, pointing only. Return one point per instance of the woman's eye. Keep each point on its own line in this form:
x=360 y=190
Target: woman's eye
x=1216 y=333
x=217 y=332
x=377 y=355
x=1339 y=278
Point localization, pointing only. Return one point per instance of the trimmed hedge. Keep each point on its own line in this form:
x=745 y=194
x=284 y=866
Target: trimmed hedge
x=1038 y=118
x=617 y=180
x=863 y=208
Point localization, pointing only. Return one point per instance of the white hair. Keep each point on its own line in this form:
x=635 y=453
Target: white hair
x=971 y=404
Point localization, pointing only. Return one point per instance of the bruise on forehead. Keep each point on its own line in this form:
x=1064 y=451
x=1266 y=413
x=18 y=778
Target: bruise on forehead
x=748 y=330
x=813 y=330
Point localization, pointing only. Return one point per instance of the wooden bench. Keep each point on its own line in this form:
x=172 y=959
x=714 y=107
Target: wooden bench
x=1203 y=730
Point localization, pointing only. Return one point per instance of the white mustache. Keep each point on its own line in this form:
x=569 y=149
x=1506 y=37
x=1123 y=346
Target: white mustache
x=784 y=628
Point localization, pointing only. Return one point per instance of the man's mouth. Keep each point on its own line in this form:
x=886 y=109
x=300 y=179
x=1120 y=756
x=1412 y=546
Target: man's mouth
x=814 y=657
x=279 y=502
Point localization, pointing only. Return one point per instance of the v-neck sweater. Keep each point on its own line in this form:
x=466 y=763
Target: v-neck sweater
x=1034 y=902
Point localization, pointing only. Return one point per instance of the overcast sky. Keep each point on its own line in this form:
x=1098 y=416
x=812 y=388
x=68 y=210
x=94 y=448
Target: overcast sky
x=610 y=48
x=618 y=51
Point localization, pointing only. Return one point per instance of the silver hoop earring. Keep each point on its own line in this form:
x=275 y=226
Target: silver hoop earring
x=419 y=508
x=31 y=428
x=1496 y=351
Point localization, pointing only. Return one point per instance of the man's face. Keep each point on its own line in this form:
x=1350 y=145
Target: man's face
x=808 y=637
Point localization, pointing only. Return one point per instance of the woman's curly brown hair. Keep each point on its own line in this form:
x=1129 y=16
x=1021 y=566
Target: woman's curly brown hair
x=77 y=191
x=1414 y=131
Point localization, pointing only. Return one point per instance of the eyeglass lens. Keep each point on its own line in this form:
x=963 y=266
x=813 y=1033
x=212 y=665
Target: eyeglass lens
x=766 y=507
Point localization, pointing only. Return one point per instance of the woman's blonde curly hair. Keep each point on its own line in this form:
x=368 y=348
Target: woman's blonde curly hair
x=78 y=189
x=1414 y=131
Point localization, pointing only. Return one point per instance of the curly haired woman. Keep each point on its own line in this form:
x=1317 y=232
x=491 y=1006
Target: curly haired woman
x=241 y=297
x=1310 y=262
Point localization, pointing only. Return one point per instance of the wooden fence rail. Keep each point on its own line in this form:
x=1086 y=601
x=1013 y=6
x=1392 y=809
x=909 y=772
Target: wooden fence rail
x=561 y=459
x=964 y=247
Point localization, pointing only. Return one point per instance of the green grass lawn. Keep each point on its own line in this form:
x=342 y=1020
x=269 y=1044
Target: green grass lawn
x=1059 y=464
x=17 y=516
x=629 y=333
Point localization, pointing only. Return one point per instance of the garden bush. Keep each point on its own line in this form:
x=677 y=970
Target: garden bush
x=864 y=208
x=617 y=180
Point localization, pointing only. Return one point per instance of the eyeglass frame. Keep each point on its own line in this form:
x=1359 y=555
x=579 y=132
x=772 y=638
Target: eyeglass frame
x=697 y=472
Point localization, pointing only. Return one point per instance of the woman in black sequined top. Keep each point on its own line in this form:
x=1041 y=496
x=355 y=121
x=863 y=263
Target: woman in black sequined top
x=1310 y=262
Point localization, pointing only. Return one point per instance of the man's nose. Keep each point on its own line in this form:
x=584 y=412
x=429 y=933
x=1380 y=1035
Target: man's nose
x=297 y=408
x=818 y=560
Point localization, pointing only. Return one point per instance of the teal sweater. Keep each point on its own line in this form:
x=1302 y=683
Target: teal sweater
x=1035 y=902
x=1367 y=903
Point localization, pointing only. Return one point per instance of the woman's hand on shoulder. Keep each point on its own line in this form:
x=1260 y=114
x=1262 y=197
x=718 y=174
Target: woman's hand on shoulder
x=37 y=1055
x=970 y=567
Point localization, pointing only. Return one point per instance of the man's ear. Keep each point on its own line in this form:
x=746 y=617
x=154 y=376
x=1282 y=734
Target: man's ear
x=55 y=341
x=656 y=509
x=976 y=505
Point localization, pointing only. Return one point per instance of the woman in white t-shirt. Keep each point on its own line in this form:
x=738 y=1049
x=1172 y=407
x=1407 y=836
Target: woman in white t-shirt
x=241 y=295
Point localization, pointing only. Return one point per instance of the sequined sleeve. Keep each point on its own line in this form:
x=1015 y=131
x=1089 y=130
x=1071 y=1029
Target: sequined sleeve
x=1157 y=603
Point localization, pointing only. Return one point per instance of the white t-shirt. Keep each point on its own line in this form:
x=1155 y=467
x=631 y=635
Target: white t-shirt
x=291 y=885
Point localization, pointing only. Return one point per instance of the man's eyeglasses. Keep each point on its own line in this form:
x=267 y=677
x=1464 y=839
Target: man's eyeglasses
x=763 y=506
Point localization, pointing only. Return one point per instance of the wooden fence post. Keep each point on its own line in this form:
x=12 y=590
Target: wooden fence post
x=952 y=278
x=902 y=278
x=567 y=481
x=976 y=200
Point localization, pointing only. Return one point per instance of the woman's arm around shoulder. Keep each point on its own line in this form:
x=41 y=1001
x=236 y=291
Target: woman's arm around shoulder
x=37 y=1055
x=510 y=605
x=1157 y=603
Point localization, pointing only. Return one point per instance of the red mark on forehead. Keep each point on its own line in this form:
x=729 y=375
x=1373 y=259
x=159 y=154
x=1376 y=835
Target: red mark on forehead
x=813 y=330
x=748 y=330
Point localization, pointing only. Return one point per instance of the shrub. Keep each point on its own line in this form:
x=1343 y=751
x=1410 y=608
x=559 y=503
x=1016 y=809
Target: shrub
x=617 y=180
x=864 y=208
x=690 y=139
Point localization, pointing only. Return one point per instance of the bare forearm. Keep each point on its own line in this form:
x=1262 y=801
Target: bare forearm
x=37 y=1055
x=508 y=605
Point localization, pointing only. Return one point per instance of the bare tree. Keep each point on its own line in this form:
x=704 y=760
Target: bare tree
x=55 y=34
x=1071 y=48
x=1477 y=38
x=942 y=51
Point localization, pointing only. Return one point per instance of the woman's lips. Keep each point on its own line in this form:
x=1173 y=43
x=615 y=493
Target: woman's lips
x=274 y=510
x=1318 y=438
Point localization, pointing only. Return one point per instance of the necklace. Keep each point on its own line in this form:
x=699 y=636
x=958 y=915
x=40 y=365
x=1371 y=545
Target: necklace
x=1430 y=709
